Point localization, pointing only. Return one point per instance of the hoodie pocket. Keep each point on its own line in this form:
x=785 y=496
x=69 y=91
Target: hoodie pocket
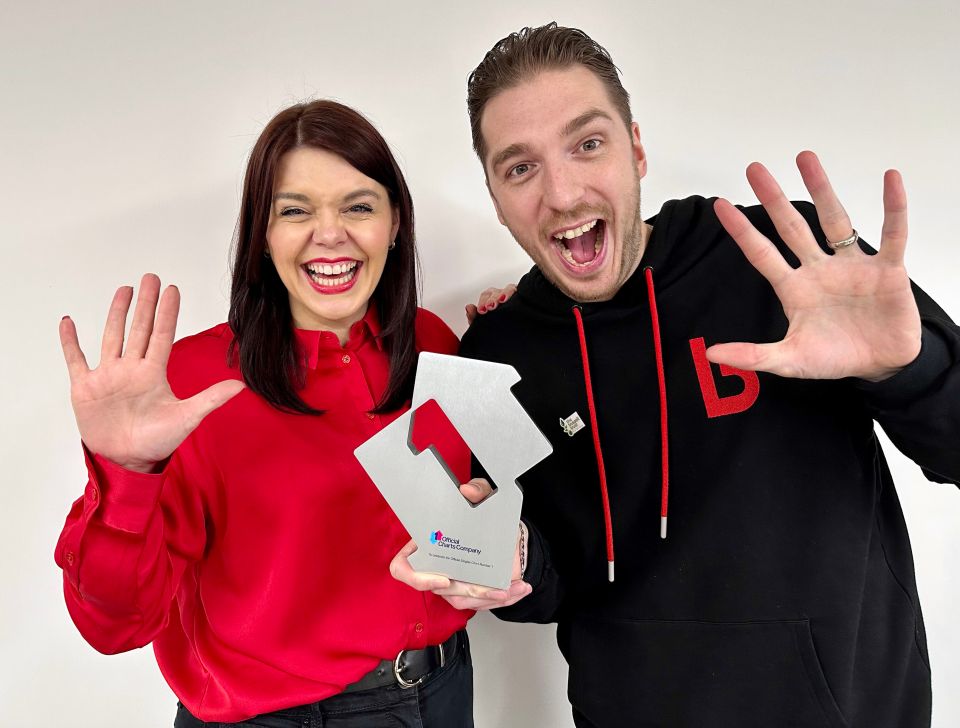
x=689 y=674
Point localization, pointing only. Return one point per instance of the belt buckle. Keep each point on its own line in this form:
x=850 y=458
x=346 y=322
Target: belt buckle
x=407 y=684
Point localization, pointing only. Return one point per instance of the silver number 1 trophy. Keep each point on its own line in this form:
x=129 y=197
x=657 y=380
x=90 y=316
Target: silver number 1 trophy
x=455 y=538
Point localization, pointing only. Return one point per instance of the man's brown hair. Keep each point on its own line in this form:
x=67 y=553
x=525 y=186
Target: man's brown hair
x=527 y=52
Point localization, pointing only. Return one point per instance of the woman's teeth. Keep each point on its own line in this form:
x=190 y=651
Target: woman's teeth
x=321 y=273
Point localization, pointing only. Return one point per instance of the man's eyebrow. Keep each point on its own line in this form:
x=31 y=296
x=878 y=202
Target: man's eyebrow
x=514 y=150
x=581 y=121
x=571 y=127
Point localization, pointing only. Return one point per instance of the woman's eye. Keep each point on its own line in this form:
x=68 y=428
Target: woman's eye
x=590 y=145
x=361 y=207
x=291 y=212
x=519 y=170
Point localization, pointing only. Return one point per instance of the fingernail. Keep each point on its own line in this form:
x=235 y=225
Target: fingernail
x=64 y=318
x=503 y=298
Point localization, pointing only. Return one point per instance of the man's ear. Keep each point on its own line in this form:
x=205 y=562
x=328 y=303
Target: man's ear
x=496 y=205
x=640 y=156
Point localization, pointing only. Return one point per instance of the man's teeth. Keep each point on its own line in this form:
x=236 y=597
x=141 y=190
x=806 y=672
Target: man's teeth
x=576 y=232
x=320 y=272
x=331 y=270
x=568 y=256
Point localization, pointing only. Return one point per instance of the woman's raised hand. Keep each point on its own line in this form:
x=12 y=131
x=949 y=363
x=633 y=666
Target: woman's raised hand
x=125 y=409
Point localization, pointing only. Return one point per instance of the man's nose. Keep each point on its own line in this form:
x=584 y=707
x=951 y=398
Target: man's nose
x=562 y=188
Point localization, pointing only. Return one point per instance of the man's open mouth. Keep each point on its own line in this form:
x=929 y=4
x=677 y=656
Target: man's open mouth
x=580 y=246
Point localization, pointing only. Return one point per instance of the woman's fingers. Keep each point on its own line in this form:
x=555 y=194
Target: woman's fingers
x=143 y=315
x=165 y=328
x=72 y=353
x=112 y=344
x=203 y=403
x=401 y=570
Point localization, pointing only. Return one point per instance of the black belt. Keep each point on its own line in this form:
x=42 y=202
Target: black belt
x=409 y=668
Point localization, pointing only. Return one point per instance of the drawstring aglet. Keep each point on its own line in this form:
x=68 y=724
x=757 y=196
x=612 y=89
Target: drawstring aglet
x=610 y=571
x=663 y=526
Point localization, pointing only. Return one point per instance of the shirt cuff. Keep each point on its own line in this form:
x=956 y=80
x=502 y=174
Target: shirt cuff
x=128 y=499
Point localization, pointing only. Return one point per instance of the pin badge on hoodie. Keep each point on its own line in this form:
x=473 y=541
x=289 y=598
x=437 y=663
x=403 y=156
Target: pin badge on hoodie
x=572 y=424
x=454 y=537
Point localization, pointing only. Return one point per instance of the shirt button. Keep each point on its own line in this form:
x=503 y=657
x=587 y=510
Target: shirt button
x=419 y=627
x=93 y=495
x=346 y=359
x=370 y=415
x=69 y=557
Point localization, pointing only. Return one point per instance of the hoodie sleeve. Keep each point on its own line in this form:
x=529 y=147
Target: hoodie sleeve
x=543 y=603
x=919 y=407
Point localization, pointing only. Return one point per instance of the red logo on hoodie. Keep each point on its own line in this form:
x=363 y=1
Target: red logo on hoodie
x=716 y=405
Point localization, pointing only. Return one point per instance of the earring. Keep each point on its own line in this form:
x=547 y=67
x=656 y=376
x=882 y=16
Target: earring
x=266 y=253
x=392 y=245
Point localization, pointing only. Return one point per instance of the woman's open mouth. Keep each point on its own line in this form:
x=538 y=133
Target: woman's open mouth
x=332 y=276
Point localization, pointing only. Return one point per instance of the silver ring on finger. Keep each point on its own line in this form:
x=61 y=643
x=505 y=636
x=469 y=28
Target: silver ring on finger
x=845 y=243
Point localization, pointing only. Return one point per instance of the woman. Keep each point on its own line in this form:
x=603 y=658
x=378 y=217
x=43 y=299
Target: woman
x=225 y=518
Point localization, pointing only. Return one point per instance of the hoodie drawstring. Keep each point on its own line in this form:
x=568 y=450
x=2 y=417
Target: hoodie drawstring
x=664 y=432
x=662 y=383
x=601 y=470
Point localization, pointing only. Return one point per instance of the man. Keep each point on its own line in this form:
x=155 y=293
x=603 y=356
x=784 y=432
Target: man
x=783 y=591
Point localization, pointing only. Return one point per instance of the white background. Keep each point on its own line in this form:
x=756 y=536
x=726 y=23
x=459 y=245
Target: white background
x=124 y=135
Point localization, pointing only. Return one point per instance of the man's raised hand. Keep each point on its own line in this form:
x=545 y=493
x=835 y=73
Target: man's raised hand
x=850 y=314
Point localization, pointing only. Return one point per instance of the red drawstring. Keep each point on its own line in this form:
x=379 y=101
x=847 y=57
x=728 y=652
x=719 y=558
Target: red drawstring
x=662 y=382
x=601 y=470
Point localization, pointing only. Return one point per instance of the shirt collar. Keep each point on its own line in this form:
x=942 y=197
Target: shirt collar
x=311 y=343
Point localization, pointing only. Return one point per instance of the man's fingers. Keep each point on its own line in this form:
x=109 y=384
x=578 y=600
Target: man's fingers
x=761 y=253
x=200 y=405
x=476 y=490
x=401 y=570
x=112 y=344
x=893 y=238
x=143 y=315
x=791 y=226
x=72 y=353
x=471 y=312
x=752 y=357
x=831 y=213
x=165 y=328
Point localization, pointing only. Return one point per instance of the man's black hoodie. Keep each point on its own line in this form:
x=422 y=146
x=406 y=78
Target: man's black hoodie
x=784 y=592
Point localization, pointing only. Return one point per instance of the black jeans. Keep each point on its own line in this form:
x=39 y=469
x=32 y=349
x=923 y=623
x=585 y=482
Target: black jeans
x=443 y=700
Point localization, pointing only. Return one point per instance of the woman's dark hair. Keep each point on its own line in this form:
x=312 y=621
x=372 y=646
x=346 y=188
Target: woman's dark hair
x=270 y=361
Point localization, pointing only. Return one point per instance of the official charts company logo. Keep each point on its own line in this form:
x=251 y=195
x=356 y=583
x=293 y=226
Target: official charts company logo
x=438 y=539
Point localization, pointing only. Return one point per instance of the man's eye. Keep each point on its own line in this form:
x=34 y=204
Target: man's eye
x=519 y=170
x=292 y=212
x=590 y=145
